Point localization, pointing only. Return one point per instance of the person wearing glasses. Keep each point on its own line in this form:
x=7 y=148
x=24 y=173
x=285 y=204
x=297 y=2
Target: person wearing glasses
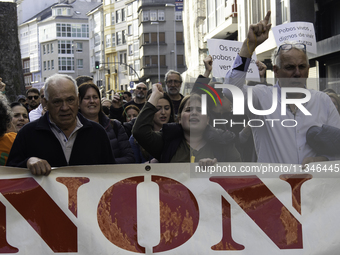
x=274 y=142
x=41 y=109
x=62 y=137
x=173 y=83
x=33 y=98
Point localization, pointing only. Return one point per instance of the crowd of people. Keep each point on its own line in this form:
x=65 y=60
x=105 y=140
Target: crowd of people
x=68 y=123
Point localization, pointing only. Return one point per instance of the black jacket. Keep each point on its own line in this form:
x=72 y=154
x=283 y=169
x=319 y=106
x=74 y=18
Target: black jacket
x=121 y=147
x=36 y=139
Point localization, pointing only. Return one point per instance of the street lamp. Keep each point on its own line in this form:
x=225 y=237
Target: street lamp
x=159 y=64
x=175 y=39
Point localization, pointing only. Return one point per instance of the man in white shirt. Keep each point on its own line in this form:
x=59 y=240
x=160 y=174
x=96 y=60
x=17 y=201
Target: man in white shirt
x=275 y=142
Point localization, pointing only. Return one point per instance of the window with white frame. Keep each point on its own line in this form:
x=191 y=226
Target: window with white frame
x=146 y=15
x=178 y=15
x=130 y=50
x=79 y=63
x=153 y=15
x=129 y=10
x=44 y=49
x=66 y=63
x=52 y=49
x=108 y=41
x=48 y=65
x=118 y=16
x=129 y=29
x=123 y=14
x=113 y=21
x=79 y=46
x=52 y=64
x=284 y=8
x=119 y=38
x=65 y=47
x=123 y=37
x=96 y=39
x=161 y=15
x=107 y=19
x=44 y=65
x=113 y=39
x=48 y=48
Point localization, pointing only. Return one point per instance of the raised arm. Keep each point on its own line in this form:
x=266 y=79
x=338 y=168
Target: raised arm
x=142 y=130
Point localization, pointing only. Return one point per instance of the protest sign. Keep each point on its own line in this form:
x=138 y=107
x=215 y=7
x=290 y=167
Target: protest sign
x=296 y=31
x=163 y=209
x=223 y=53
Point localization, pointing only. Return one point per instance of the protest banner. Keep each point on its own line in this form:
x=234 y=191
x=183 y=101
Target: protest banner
x=223 y=53
x=296 y=31
x=171 y=209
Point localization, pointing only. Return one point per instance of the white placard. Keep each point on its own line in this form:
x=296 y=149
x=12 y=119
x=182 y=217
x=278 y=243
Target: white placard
x=224 y=53
x=296 y=31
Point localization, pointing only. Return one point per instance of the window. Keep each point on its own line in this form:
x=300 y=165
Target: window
x=52 y=64
x=66 y=64
x=113 y=39
x=79 y=46
x=178 y=15
x=284 y=8
x=52 y=48
x=44 y=65
x=112 y=18
x=123 y=14
x=118 y=16
x=153 y=15
x=130 y=50
x=129 y=10
x=180 y=60
x=162 y=37
x=79 y=63
x=74 y=30
x=44 y=49
x=108 y=41
x=152 y=38
x=161 y=16
x=123 y=36
x=179 y=37
x=96 y=39
x=119 y=38
x=107 y=19
x=48 y=65
x=48 y=48
x=65 y=47
x=63 y=30
x=153 y=60
x=129 y=29
x=145 y=15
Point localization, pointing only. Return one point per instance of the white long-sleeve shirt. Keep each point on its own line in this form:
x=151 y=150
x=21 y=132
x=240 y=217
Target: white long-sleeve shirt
x=275 y=143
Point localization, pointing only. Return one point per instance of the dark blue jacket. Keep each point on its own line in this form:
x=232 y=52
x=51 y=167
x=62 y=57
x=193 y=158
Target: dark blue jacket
x=36 y=139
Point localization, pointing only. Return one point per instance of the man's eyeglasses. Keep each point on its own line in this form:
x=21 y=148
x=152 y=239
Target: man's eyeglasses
x=176 y=82
x=141 y=88
x=289 y=46
x=31 y=97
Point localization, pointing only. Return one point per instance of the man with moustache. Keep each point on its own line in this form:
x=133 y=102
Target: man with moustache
x=116 y=109
x=173 y=83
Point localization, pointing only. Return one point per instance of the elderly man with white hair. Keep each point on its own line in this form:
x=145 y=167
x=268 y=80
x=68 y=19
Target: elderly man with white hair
x=62 y=137
x=282 y=137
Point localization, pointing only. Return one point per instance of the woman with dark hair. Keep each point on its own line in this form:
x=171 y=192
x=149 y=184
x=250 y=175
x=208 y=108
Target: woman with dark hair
x=165 y=114
x=20 y=116
x=6 y=138
x=192 y=139
x=130 y=112
x=90 y=107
